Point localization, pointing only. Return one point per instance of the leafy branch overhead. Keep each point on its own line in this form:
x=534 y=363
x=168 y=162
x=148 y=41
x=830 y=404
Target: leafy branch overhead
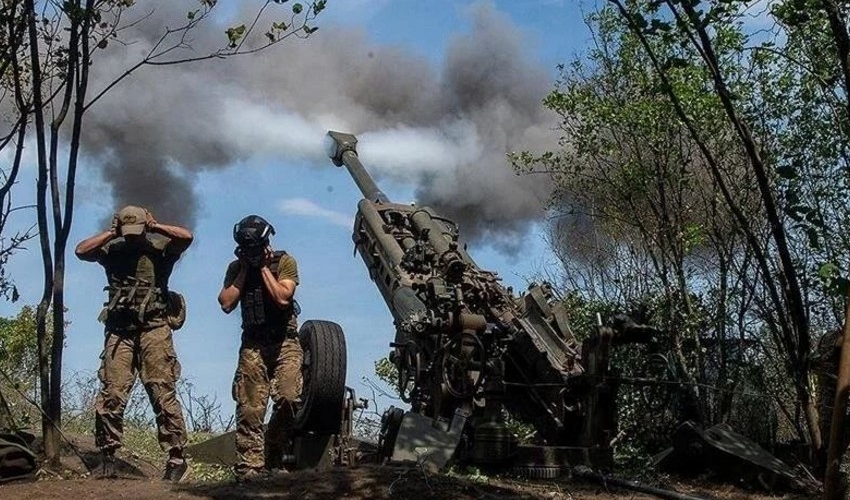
x=298 y=24
x=174 y=43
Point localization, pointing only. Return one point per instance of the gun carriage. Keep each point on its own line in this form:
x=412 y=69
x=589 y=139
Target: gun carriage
x=468 y=351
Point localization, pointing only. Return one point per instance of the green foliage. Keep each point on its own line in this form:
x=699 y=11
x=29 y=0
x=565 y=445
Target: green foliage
x=235 y=34
x=655 y=191
x=299 y=23
x=469 y=473
x=386 y=372
x=18 y=348
x=19 y=362
x=521 y=430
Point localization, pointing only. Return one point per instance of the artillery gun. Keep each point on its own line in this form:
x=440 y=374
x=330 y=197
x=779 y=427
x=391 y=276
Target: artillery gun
x=468 y=351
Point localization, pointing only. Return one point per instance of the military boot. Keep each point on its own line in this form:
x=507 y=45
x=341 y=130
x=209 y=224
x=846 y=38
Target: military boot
x=108 y=470
x=177 y=467
x=274 y=458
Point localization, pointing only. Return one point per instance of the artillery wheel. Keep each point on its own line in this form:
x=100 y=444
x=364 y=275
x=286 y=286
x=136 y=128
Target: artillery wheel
x=323 y=372
x=462 y=365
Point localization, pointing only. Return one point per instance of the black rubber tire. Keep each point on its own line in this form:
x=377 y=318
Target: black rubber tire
x=324 y=377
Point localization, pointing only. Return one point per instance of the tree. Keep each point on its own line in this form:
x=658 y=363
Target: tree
x=13 y=46
x=712 y=155
x=698 y=25
x=637 y=221
x=54 y=51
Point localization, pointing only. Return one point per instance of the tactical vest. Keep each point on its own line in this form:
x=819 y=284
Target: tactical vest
x=137 y=277
x=262 y=318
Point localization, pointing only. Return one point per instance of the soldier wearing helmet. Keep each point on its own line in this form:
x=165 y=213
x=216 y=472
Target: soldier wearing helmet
x=262 y=282
x=138 y=254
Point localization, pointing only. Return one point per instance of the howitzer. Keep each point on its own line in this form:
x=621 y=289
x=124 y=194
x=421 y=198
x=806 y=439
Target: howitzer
x=466 y=348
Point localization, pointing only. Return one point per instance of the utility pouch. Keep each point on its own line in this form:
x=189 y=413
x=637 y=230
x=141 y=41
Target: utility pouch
x=175 y=313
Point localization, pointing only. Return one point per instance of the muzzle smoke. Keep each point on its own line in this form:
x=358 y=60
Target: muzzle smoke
x=444 y=130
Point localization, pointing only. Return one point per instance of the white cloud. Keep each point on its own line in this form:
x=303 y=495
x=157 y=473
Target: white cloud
x=306 y=208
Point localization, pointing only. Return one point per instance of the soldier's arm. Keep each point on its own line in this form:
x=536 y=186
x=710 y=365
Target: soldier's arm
x=234 y=281
x=180 y=237
x=280 y=290
x=282 y=286
x=90 y=248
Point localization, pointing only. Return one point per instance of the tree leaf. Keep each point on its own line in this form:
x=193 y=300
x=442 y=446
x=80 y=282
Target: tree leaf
x=827 y=270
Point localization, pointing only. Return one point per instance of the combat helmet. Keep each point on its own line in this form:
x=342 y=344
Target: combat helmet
x=252 y=231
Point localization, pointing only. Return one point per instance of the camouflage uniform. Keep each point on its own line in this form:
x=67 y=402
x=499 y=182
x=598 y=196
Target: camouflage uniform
x=270 y=359
x=138 y=340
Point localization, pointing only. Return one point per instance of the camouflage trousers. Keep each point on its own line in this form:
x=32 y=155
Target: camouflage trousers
x=151 y=355
x=266 y=370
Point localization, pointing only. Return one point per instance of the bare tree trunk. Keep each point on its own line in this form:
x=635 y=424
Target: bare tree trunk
x=839 y=416
x=77 y=82
x=49 y=431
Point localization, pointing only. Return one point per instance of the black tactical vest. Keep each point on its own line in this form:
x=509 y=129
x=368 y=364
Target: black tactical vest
x=262 y=318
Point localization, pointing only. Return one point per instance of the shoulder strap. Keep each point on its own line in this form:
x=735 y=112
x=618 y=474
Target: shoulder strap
x=276 y=256
x=158 y=242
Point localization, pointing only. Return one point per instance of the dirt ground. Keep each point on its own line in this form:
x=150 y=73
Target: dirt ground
x=139 y=480
x=355 y=483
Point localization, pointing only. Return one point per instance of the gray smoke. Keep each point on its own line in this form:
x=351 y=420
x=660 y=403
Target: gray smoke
x=444 y=130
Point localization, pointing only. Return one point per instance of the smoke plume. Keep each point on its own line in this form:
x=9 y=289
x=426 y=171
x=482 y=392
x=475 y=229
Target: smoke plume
x=444 y=130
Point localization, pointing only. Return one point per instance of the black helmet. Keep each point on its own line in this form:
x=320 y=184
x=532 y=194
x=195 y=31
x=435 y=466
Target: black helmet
x=252 y=231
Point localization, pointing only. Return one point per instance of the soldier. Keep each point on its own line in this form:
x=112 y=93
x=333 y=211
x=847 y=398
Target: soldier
x=138 y=254
x=263 y=283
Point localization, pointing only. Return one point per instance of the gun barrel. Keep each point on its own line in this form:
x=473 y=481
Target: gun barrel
x=342 y=150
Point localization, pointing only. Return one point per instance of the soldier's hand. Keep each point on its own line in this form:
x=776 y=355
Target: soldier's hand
x=113 y=227
x=150 y=222
x=249 y=258
x=268 y=255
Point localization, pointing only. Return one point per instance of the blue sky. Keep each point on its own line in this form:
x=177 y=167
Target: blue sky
x=309 y=201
